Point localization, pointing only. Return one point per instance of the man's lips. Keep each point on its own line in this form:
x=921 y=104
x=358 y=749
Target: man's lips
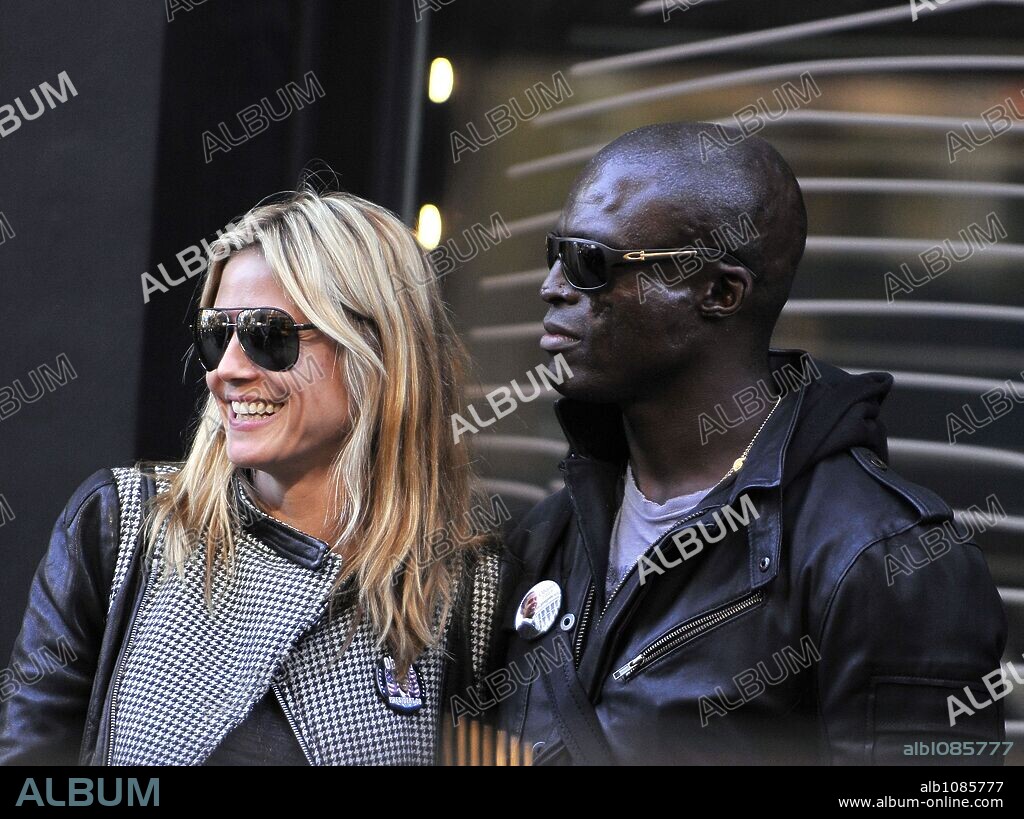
x=557 y=338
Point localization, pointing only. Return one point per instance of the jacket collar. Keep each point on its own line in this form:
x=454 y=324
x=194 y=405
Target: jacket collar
x=595 y=433
x=598 y=452
x=286 y=540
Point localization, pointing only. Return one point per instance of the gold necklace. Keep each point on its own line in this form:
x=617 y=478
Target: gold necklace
x=737 y=465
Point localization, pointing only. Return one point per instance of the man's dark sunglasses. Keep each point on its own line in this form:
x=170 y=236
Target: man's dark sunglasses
x=587 y=265
x=268 y=335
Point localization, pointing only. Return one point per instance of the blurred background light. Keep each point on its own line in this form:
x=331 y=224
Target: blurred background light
x=428 y=227
x=442 y=80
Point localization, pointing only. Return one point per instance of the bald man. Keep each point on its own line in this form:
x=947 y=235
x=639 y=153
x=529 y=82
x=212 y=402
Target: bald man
x=743 y=577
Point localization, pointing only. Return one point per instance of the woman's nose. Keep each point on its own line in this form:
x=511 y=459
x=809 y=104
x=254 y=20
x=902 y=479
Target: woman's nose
x=235 y=364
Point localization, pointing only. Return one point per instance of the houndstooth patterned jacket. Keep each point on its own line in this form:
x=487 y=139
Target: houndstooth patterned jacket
x=171 y=677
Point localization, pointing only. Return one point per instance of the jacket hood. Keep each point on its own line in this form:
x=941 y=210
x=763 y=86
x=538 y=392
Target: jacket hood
x=836 y=411
x=839 y=411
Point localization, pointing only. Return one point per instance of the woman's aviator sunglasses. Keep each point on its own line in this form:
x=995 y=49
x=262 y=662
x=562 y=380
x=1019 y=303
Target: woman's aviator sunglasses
x=587 y=265
x=268 y=335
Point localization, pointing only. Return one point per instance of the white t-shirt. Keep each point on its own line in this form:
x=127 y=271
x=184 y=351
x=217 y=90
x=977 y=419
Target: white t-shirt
x=639 y=523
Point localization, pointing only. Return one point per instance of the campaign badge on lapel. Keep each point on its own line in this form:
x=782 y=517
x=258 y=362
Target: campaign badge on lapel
x=538 y=610
x=405 y=696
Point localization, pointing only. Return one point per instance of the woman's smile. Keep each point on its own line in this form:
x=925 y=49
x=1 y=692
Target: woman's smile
x=246 y=415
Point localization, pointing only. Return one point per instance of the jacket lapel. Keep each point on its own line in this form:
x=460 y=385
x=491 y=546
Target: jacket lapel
x=190 y=673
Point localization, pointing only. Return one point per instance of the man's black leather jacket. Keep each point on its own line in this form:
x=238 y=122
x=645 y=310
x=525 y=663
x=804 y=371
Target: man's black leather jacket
x=829 y=627
x=55 y=707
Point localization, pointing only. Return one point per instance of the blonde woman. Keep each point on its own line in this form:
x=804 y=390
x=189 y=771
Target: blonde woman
x=285 y=601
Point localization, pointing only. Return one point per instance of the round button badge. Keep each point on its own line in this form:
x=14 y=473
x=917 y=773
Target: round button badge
x=538 y=609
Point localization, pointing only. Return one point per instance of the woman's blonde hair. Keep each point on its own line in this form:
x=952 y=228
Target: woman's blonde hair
x=400 y=477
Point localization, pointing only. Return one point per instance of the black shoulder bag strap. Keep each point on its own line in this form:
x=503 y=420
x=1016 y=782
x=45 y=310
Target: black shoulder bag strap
x=573 y=713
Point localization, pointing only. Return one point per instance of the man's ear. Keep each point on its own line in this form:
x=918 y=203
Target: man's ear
x=724 y=294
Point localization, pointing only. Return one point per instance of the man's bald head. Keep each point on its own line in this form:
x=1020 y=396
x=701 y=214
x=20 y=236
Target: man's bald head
x=671 y=193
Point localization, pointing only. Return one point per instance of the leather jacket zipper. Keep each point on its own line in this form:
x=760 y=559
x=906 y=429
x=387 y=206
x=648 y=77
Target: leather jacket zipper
x=685 y=632
x=291 y=722
x=585 y=616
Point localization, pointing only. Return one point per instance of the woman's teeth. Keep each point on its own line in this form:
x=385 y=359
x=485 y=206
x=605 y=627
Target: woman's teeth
x=246 y=409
